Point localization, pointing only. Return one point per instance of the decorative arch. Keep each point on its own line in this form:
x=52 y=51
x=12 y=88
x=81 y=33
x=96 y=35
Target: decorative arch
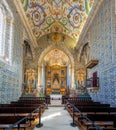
x=63 y=48
x=84 y=54
x=26 y=38
x=59 y=46
x=56 y=57
x=27 y=51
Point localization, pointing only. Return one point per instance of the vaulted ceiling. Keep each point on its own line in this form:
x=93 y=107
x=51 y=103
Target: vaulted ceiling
x=56 y=57
x=57 y=19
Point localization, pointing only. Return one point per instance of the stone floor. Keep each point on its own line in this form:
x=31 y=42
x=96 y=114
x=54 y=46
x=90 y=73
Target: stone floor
x=56 y=118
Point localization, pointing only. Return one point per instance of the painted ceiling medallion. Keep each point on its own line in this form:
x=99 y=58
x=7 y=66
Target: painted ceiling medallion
x=56 y=37
x=56 y=57
x=75 y=17
x=38 y=15
x=56 y=27
x=48 y=16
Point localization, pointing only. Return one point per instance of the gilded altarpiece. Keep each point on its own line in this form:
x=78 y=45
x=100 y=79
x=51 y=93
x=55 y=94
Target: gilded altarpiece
x=30 y=81
x=56 y=80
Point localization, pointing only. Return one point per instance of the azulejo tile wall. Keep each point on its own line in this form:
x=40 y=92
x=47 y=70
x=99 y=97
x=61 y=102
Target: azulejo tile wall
x=11 y=75
x=103 y=47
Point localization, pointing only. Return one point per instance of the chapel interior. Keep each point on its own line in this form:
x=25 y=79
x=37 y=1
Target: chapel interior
x=55 y=55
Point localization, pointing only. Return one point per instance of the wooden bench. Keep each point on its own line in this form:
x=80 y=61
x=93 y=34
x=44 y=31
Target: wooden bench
x=32 y=104
x=6 y=121
x=102 y=128
x=104 y=120
x=91 y=104
x=19 y=105
x=19 y=111
x=90 y=109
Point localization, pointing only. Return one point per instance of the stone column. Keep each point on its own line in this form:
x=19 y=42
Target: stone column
x=43 y=78
x=68 y=76
x=39 y=75
x=72 y=76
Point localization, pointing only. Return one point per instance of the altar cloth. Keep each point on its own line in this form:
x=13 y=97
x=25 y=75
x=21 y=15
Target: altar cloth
x=55 y=96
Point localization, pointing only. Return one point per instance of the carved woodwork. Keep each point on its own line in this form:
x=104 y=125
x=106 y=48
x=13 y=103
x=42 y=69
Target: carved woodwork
x=91 y=64
x=56 y=79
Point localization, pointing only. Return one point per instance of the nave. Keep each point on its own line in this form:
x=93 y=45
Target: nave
x=75 y=113
x=58 y=49
x=56 y=118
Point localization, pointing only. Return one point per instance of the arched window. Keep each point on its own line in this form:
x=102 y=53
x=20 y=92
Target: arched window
x=1 y=30
x=6 y=33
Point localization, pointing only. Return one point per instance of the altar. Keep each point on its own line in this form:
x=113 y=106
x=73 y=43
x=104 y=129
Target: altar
x=55 y=81
x=56 y=96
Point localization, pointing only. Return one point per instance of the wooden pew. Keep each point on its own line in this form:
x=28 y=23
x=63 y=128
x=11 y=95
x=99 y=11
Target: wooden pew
x=98 y=110
x=90 y=109
x=20 y=111
x=86 y=103
x=102 y=128
x=6 y=121
x=31 y=98
x=112 y=110
x=104 y=120
x=19 y=105
x=29 y=112
x=31 y=104
x=45 y=99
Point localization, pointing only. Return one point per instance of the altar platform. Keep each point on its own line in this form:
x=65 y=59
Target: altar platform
x=56 y=96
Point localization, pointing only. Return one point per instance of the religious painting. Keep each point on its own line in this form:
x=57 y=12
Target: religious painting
x=62 y=84
x=49 y=72
x=48 y=84
x=62 y=72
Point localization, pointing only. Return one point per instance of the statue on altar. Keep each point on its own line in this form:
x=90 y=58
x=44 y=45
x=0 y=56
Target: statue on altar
x=55 y=85
x=80 y=77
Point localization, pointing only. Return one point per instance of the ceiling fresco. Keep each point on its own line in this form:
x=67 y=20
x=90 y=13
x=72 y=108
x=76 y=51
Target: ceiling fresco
x=56 y=57
x=59 y=16
x=54 y=39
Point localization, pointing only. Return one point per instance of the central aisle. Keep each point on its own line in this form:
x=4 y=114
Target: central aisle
x=56 y=118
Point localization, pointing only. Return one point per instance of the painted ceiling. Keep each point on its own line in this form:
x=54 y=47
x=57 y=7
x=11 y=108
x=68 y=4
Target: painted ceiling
x=49 y=39
x=56 y=57
x=65 y=17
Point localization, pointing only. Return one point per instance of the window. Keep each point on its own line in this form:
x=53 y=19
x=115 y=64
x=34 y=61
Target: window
x=6 y=33
x=1 y=31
